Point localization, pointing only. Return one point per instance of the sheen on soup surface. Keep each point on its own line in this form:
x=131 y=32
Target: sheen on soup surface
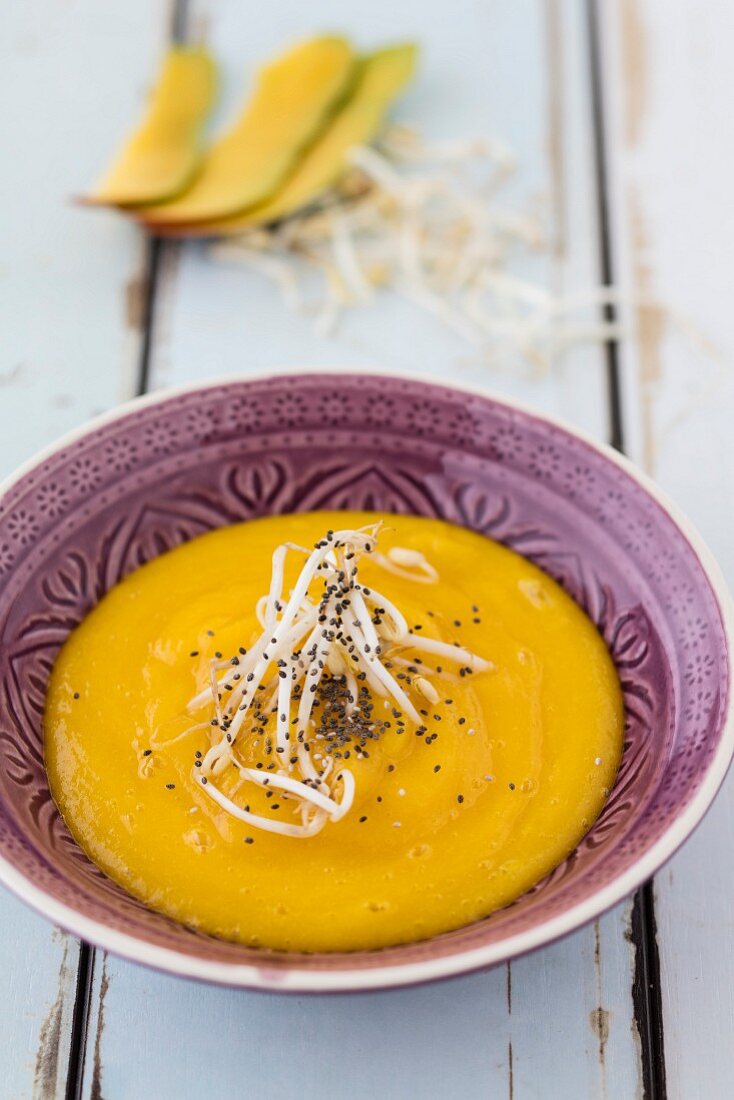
x=442 y=770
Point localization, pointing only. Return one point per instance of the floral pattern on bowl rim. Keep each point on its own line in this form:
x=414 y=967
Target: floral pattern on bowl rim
x=163 y=469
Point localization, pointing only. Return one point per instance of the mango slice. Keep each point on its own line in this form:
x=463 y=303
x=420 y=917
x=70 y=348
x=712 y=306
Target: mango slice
x=381 y=77
x=160 y=159
x=293 y=99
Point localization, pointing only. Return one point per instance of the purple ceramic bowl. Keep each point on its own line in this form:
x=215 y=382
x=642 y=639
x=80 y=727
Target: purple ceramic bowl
x=164 y=469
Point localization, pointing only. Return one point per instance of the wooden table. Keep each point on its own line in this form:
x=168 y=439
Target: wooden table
x=620 y=116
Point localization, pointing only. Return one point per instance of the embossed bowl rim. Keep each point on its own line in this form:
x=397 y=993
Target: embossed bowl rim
x=295 y=979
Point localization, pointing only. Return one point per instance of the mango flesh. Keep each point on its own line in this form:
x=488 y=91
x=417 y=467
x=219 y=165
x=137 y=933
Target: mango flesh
x=160 y=159
x=521 y=766
x=293 y=98
x=381 y=78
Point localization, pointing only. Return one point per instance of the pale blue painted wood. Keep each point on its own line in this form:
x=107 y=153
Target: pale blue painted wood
x=557 y=1023
x=192 y=1040
x=488 y=68
x=571 y=1023
x=71 y=77
x=675 y=240
x=38 y=965
x=485 y=69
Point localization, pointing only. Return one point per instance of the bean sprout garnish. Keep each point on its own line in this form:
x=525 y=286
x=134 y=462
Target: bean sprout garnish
x=328 y=647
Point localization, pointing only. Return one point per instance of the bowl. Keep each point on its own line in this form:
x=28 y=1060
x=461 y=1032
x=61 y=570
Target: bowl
x=161 y=470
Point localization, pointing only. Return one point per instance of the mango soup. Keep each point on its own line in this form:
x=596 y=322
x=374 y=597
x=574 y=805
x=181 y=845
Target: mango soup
x=450 y=820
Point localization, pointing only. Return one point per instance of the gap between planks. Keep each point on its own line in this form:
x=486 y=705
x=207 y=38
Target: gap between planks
x=646 y=988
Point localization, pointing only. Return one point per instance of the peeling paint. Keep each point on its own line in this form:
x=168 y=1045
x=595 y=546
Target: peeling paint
x=634 y=1027
x=136 y=293
x=651 y=317
x=554 y=123
x=599 y=1016
x=634 y=69
x=104 y=984
x=651 y=323
x=46 y=1071
x=599 y=1020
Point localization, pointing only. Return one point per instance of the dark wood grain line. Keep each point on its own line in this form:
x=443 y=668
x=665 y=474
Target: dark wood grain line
x=647 y=994
x=179 y=21
x=614 y=385
x=646 y=985
x=80 y=1022
x=154 y=252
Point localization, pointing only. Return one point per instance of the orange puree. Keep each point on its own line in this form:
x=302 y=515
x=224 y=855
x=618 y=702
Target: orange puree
x=440 y=834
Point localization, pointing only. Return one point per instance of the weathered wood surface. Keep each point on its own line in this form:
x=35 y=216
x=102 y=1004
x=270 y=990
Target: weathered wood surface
x=560 y=1022
x=668 y=74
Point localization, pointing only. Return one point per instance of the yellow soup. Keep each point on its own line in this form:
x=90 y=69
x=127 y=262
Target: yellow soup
x=447 y=825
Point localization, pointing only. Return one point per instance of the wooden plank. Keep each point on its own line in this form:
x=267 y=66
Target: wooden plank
x=473 y=1034
x=215 y=318
x=39 y=980
x=671 y=174
x=70 y=278
x=482 y=1033
x=72 y=78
